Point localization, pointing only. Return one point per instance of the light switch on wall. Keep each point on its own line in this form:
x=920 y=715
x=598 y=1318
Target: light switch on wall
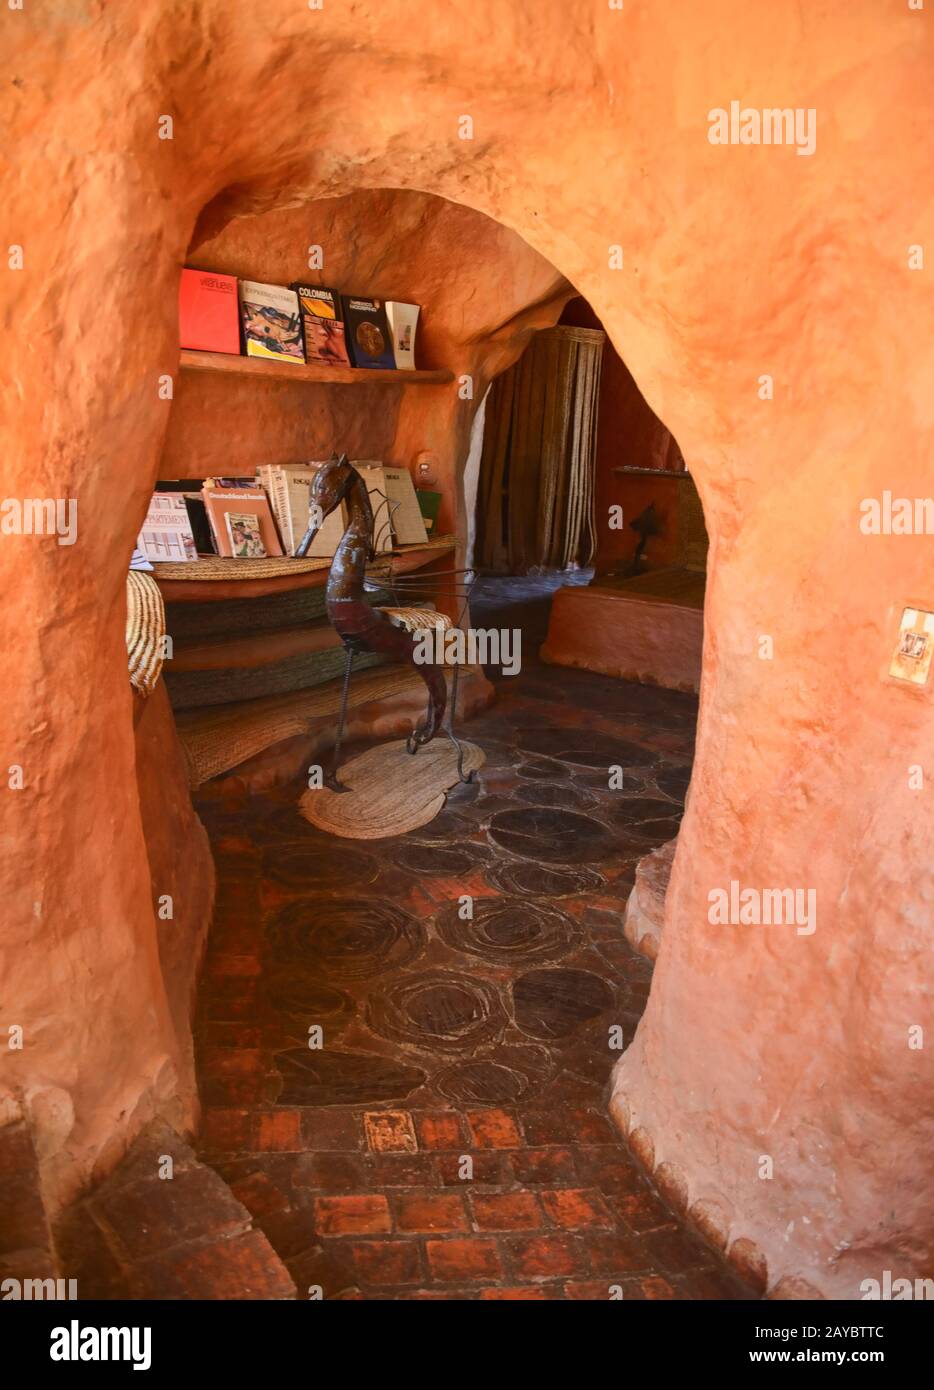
x=426 y=468
x=911 y=660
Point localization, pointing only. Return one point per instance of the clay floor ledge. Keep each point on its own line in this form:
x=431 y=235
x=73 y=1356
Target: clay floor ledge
x=138 y=1235
x=709 y=1217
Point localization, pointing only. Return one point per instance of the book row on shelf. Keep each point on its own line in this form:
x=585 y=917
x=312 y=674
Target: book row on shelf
x=267 y=514
x=294 y=323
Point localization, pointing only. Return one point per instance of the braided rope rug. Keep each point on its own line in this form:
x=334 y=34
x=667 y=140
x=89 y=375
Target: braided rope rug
x=391 y=790
x=145 y=631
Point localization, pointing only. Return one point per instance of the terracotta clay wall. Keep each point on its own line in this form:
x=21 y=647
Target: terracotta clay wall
x=738 y=261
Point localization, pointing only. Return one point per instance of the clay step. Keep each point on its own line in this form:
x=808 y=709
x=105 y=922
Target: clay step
x=258 y=649
x=232 y=684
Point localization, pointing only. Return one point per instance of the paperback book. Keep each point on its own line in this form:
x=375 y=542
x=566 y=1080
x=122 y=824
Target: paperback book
x=246 y=541
x=403 y=320
x=408 y=524
x=241 y=517
x=289 y=489
x=271 y=322
x=396 y=513
x=207 y=312
x=166 y=533
x=371 y=471
x=367 y=333
x=322 y=325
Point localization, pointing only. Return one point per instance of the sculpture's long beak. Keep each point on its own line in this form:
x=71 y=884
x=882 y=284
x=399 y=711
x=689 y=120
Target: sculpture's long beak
x=315 y=521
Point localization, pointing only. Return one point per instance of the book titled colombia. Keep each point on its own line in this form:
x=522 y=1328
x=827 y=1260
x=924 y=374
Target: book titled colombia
x=367 y=332
x=322 y=324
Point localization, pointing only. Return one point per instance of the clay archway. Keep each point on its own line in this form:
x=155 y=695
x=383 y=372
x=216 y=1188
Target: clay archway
x=736 y=262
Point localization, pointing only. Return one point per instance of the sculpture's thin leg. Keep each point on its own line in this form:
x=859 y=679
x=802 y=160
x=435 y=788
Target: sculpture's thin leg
x=332 y=781
x=416 y=739
x=449 y=730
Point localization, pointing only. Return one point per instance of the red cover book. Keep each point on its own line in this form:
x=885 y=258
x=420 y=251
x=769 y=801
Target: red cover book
x=208 y=314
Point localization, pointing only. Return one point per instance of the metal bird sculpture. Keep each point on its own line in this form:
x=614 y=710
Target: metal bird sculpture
x=360 y=626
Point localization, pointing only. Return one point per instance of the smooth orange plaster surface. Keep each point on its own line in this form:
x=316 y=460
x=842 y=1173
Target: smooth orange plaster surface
x=590 y=130
x=624 y=635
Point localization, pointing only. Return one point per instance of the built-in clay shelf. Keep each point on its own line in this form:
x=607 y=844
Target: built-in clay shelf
x=177 y=590
x=306 y=373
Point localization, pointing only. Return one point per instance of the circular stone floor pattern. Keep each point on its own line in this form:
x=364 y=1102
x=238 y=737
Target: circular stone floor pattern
x=555 y=1003
x=345 y=938
x=438 y=1010
x=552 y=836
x=509 y=931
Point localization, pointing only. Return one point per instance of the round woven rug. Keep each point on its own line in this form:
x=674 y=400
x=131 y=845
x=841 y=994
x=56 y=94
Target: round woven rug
x=391 y=790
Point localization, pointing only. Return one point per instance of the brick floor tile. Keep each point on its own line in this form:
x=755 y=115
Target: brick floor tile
x=641 y=1211
x=506 y=1211
x=431 y=1211
x=361 y=1214
x=441 y=1295
x=617 y=1254
x=440 y=1129
x=532 y=1293
x=226 y=1131
x=403 y=1170
x=470 y=1260
x=546 y=1257
x=331 y=1129
x=655 y=1287
x=387 y=1261
x=575 y=1208
x=562 y=1126
x=331 y=1172
x=543 y=1166
x=494 y=1129
x=489 y=1169
x=610 y=1168
x=593 y=1290
x=277 y=1131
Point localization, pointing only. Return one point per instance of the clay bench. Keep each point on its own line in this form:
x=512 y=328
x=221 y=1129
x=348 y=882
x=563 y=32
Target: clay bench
x=649 y=628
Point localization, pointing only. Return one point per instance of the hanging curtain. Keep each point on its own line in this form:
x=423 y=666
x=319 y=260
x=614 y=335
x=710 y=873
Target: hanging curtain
x=536 y=490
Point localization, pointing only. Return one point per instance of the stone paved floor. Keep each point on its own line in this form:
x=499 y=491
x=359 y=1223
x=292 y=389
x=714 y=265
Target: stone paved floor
x=449 y=1138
